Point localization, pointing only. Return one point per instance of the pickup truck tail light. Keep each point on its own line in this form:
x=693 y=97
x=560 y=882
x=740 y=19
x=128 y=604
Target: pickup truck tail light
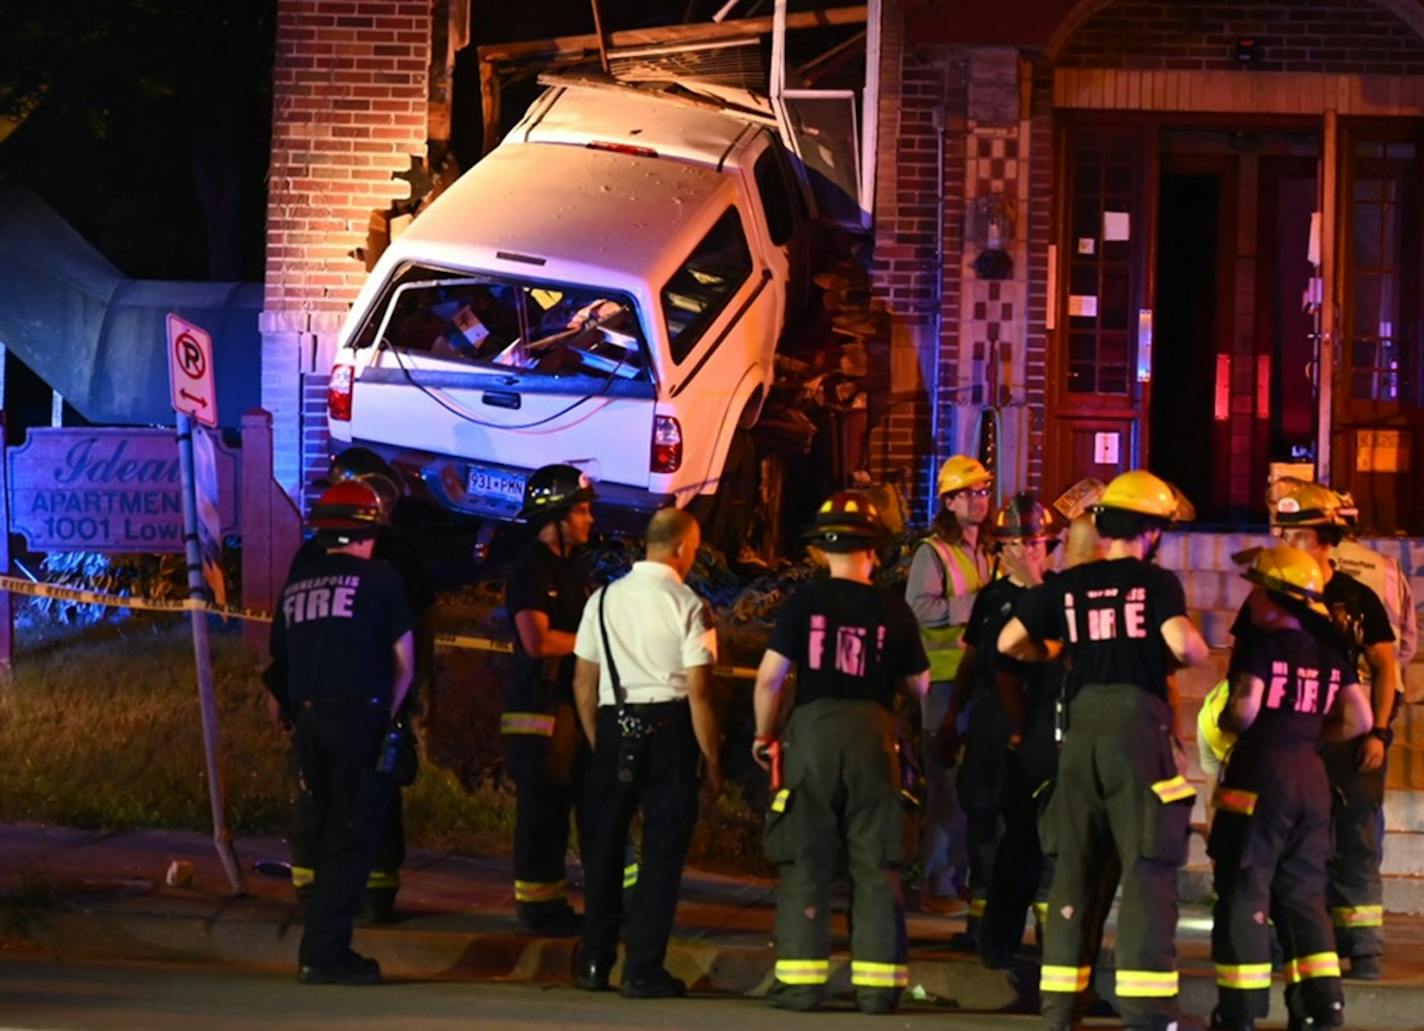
x=338 y=393
x=667 y=444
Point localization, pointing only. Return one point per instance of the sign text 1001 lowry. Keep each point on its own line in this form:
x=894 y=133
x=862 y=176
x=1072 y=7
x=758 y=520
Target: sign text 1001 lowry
x=75 y=489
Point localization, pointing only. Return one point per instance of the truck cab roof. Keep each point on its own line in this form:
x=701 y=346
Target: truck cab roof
x=591 y=216
x=571 y=115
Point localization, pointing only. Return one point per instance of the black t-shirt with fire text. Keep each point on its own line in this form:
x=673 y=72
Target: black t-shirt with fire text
x=1109 y=616
x=1303 y=675
x=334 y=628
x=849 y=640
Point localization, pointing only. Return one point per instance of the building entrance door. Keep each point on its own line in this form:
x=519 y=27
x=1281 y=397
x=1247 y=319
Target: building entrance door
x=1212 y=381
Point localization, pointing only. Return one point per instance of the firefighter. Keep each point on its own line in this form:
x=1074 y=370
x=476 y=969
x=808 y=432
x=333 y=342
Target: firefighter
x=1120 y=807
x=544 y=745
x=854 y=646
x=1314 y=519
x=946 y=572
x=1270 y=837
x=365 y=466
x=342 y=637
x=1010 y=752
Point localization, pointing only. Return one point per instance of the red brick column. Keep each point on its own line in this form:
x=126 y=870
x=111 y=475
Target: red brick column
x=350 y=94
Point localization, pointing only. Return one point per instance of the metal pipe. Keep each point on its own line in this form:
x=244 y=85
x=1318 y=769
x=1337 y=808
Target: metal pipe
x=202 y=656
x=602 y=38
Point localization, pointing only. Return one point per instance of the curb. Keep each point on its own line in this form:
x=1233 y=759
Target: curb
x=237 y=940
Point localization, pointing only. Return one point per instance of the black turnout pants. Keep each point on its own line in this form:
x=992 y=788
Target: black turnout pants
x=842 y=784
x=980 y=785
x=1269 y=841
x=664 y=788
x=338 y=745
x=1355 y=891
x=547 y=770
x=1021 y=874
x=384 y=880
x=1120 y=811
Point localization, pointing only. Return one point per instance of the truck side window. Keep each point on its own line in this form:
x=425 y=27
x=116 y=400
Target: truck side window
x=775 y=201
x=704 y=284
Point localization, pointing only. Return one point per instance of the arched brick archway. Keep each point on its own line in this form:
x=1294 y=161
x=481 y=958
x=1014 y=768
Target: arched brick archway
x=1408 y=12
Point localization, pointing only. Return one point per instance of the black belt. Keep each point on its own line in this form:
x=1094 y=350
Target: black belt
x=648 y=707
x=338 y=703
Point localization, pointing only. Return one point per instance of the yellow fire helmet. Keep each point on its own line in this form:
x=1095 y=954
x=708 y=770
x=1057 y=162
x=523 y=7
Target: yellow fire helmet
x=1313 y=504
x=960 y=472
x=1290 y=573
x=1141 y=492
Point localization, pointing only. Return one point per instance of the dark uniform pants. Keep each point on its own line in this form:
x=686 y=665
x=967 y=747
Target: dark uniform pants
x=664 y=787
x=547 y=756
x=980 y=786
x=338 y=747
x=1024 y=876
x=1121 y=810
x=384 y=880
x=1354 y=891
x=1269 y=841
x=841 y=790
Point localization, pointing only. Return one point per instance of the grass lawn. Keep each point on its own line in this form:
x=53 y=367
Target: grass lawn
x=99 y=728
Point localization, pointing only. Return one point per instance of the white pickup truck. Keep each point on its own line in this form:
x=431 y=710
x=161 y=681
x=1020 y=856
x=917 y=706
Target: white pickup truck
x=606 y=288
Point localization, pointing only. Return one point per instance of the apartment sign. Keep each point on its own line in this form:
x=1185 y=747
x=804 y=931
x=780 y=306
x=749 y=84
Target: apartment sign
x=107 y=490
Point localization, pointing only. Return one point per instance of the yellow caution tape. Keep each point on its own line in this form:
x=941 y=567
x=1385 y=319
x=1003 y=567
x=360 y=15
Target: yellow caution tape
x=35 y=589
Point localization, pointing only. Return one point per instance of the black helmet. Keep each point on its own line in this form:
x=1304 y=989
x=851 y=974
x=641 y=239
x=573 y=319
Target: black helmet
x=1024 y=518
x=847 y=521
x=554 y=489
x=350 y=508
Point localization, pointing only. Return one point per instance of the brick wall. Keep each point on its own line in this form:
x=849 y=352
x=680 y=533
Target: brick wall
x=904 y=274
x=1327 y=35
x=350 y=94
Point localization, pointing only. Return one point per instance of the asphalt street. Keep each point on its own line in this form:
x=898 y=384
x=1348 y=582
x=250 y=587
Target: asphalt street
x=41 y=993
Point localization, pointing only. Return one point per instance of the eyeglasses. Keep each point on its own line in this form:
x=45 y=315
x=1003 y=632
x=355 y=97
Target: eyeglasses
x=974 y=492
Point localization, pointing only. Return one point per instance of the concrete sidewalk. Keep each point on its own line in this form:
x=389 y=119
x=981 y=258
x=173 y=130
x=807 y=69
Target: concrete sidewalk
x=86 y=895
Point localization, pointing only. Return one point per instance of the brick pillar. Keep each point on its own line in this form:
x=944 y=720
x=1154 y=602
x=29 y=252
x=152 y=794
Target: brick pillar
x=904 y=276
x=350 y=95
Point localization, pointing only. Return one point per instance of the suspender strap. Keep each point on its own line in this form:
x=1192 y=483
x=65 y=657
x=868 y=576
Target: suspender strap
x=618 y=694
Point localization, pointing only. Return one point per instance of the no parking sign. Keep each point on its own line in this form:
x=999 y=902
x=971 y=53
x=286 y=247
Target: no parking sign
x=190 y=371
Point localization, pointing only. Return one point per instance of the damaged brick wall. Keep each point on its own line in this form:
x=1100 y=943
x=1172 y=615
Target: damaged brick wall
x=350 y=96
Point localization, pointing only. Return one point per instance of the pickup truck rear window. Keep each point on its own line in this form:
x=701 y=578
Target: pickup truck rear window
x=704 y=284
x=489 y=322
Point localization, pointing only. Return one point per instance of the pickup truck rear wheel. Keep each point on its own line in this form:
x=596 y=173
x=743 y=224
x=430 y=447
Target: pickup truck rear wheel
x=726 y=515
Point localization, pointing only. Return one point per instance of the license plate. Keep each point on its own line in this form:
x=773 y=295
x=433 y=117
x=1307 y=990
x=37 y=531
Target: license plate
x=496 y=483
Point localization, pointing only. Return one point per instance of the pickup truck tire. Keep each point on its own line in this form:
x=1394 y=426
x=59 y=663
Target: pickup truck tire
x=726 y=514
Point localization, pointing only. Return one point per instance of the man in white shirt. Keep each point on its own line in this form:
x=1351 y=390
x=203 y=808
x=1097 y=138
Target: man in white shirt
x=643 y=687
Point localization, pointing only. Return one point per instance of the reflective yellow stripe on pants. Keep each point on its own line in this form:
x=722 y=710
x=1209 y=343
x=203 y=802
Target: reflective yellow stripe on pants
x=1146 y=984
x=976 y=906
x=630 y=875
x=1065 y=979
x=803 y=971
x=1243 y=976
x=878 y=975
x=1319 y=964
x=536 y=723
x=302 y=876
x=380 y=879
x=536 y=891
x=1357 y=916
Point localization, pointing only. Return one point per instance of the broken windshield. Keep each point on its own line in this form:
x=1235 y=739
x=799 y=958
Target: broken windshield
x=504 y=323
